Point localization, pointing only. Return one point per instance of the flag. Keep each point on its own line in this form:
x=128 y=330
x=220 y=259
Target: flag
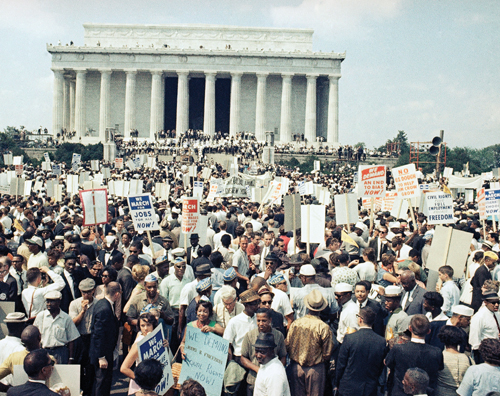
x=347 y=239
x=446 y=189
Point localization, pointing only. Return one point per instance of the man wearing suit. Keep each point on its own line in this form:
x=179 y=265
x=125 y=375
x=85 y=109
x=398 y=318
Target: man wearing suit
x=412 y=301
x=110 y=250
x=72 y=277
x=83 y=248
x=361 y=358
x=192 y=251
x=9 y=280
x=380 y=244
x=104 y=338
x=414 y=354
x=38 y=365
x=482 y=274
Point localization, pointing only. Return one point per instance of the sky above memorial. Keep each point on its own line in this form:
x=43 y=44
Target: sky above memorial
x=419 y=66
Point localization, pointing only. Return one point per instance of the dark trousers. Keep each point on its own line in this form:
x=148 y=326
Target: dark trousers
x=60 y=353
x=103 y=380
x=82 y=346
x=308 y=381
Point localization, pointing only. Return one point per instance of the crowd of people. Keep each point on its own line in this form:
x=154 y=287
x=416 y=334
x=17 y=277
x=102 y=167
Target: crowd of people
x=356 y=314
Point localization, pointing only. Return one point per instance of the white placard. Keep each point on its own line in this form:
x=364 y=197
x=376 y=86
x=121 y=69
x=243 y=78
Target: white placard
x=72 y=184
x=346 y=208
x=135 y=187
x=312 y=223
x=371 y=181
x=143 y=213
x=400 y=208
x=438 y=208
x=17 y=160
x=405 y=178
x=94 y=165
x=198 y=189
x=190 y=214
x=95 y=206
x=27 y=187
x=67 y=374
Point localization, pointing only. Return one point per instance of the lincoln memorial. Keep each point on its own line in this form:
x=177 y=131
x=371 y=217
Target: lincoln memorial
x=212 y=78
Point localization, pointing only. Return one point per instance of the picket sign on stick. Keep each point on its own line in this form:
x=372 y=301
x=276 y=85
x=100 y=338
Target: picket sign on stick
x=347 y=214
x=372 y=204
x=294 y=226
x=412 y=214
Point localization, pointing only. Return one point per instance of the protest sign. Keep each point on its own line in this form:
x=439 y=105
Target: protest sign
x=399 y=208
x=377 y=204
x=405 y=179
x=17 y=186
x=449 y=247
x=198 y=189
x=292 y=212
x=56 y=169
x=257 y=194
x=192 y=171
x=118 y=163
x=19 y=170
x=206 y=173
x=61 y=375
x=83 y=177
x=72 y=184
x=151 y=162
x=492 y=198
x=142 y=212
x=95 y=206
x=162 y=191
x=75 y=161
x=448 y=172
x=46 y=166
x=27 y=187
x=38 y=186
x=464 y=182
x=106 y=173
x=190 y=214
x=6 y=307
x=346 y=208
x=151 y=347
x=313 y=223
x=317 y=165
x=46 y=157
x=301 y=187
x=17 y=160
x=7 y=159
x=94 y=165
x=481 y=203
x=212 y=192
x=206 y=357
x=136 y=186
x=371 y=181
x=438 y=207
x=200 y=229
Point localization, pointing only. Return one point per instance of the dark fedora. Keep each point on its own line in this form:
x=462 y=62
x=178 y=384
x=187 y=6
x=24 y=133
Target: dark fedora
x=272 y=257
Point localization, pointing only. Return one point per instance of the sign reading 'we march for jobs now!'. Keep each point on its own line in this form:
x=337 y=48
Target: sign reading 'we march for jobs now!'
x=143 y=213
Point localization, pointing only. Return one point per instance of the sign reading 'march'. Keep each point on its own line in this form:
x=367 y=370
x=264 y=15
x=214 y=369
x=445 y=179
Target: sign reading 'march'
x=162 y=77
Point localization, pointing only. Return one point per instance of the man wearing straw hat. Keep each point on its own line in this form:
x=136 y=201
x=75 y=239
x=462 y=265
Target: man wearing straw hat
x=309 y=343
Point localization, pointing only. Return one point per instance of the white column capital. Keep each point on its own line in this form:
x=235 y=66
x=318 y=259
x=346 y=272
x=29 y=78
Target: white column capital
x=210 y=74
x=262 y=76
x=334 y=76
x=131 y=72
x=182 y=72
x=287 y=76
x=156 y=72
x=236 y=74
x=312 y=76
x=105 y=71
x=57 y=70
x=80 y=71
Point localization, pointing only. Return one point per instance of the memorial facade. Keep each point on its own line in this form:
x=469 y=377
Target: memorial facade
x=215 y=78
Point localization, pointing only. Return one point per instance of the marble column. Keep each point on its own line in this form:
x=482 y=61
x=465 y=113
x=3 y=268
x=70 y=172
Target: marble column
x=156 y=120
x=286 y=108
x=66 y=105
x=130 y=86
x=80 y=107
x=209 y=109
x=260 y=108
x=182 y=121
x=310 y=127
x=58 y=101
x=105 y=103
x=72 y=91
x=234 y=110
x=333 y=109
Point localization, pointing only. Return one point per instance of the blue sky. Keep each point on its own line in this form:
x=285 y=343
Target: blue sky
x=420 y=66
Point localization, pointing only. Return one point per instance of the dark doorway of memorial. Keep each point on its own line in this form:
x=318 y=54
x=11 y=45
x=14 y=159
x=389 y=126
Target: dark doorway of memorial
x=196 y=103
x=222 y=104
x=170 y=103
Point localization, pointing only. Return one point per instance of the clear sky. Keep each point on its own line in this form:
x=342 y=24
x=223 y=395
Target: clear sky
x=416 y=65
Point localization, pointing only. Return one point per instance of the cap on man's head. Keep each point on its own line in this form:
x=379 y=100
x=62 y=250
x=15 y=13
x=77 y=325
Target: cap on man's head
x=249 y=296
x=276 y=279
x=296 y=259
x=361 y=226
x=272 y=257
x=203 y=285
x=150 y=278
x=178 y=252
x=53 y=295
x=491 y=255
x=194 y=236
x=35 y=240
x=110 y=239
x=265 y=340
x=230 y=275
x=307 y=270
x=87 y=285
x=265 y=290
x=488 y=244
x=15 y=317
x=393 y=291
x=462 y=310
x=167 y=238
x=343 y=288
x=203 y=269
x=162 y=260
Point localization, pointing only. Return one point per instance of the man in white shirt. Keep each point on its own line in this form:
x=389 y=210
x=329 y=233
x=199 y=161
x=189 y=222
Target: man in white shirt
x=348 y=316
x=38 y=258
x=218 y=236
x=449 y=290
x=33 y=296
x=485 y=323
x=266 y=249
x=16 y=322
x=271 y=378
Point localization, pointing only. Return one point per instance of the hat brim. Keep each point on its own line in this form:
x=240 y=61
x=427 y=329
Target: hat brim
x=251 y=299
x=321 y=308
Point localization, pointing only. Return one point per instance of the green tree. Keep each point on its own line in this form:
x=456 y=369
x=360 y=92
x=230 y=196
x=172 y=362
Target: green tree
x=91 y=152
x=360 y=144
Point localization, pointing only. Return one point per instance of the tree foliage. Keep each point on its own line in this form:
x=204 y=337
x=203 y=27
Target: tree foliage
x=91 y=152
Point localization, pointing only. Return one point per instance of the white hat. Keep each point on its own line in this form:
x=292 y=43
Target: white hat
x=361 y=226
x=462 y=310
x=393 y=291
x=395 y=224
x=176 y=210
x=53 y=295
x=307 y=270
x=110 y=239
x=343 y=288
